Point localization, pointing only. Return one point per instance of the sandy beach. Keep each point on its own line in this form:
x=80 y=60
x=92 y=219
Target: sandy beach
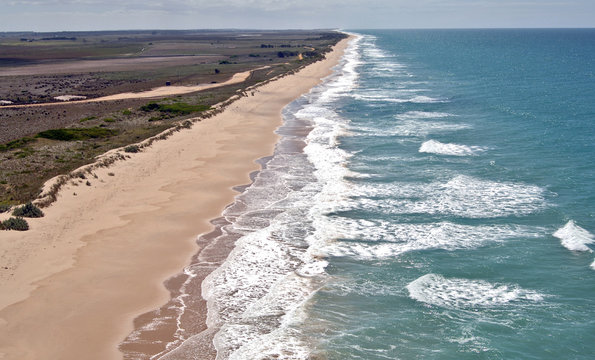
x=71 y=286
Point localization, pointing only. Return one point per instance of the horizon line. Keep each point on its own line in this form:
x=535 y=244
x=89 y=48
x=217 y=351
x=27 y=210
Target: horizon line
x=298 y=29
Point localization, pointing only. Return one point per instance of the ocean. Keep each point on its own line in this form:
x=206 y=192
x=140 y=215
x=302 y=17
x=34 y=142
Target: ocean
x=432 y=199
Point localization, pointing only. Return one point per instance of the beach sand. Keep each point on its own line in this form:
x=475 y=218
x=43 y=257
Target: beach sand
x=71 y=286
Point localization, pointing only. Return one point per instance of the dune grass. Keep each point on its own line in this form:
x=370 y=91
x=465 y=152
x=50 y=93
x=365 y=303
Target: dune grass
x=77 y=133
x=177 y=108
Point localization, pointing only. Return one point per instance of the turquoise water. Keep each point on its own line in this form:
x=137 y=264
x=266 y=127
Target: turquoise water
x=433 y=199
x=470 y=150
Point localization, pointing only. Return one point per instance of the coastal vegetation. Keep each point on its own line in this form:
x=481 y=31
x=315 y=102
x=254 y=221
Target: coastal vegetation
x=132 y=148
x=14 y=223
x=28 y=210
x=180 y=108
x=77 y=133
x=41 y=142
x=16 y=144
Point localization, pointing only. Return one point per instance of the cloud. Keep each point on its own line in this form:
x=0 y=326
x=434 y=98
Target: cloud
x=174 y=5
x=179 y=14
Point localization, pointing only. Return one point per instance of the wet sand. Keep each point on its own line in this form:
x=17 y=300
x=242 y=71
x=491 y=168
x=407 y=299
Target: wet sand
x=71 y=286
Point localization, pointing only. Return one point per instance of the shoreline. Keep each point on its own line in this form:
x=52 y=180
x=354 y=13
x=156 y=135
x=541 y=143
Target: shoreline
x=74 y=283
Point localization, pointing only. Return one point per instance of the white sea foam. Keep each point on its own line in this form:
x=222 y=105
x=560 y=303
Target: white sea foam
x=369 y=240
x=396 y=97
x=436 y=147
x=255 y=297
x=250 y=337
x=593 y=265
x=328 y=159
x=284 y=341
x=421 y=99
x=388 y=69
x=402 y=90
x=416 y=123
x=336 y=86
x=370 y=49
x=422 y=115
x=273 y=271
x=244 y=276
x=424 y=128
x=574 y=237
x=463 y=196
x=381 y=63
x=361 y=286
x=456 y=293
x=375 y=52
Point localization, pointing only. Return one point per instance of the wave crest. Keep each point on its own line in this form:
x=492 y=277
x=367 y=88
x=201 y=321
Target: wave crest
x=436 y=147
x=371 y=240
x=455 y=293
x=574 y=237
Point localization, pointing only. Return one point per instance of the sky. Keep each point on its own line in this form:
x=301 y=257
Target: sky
x=72 y=15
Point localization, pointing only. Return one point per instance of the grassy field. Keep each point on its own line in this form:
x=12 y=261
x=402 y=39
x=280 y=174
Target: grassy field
x=38 y=143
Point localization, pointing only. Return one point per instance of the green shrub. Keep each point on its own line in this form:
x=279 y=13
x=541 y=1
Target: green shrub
x=87 y=119
x=150 y=106
x=178 y=108
x=183 y=108
x=15 y=223
x=187 y=124
x=283 y=54
x=24 y=152
x=4 y=208
x=15 y=144
x=126 y=112
x=77 y=133
x=311 y=54
x=132 y=149
x=28 y=210
x=109 y=120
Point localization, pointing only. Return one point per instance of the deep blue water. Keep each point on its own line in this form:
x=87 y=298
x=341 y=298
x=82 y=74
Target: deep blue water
x=443 y=206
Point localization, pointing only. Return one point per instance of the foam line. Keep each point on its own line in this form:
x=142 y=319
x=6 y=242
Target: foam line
x=456 y=293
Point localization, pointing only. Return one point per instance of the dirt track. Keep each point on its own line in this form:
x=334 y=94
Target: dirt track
x=153 y=93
